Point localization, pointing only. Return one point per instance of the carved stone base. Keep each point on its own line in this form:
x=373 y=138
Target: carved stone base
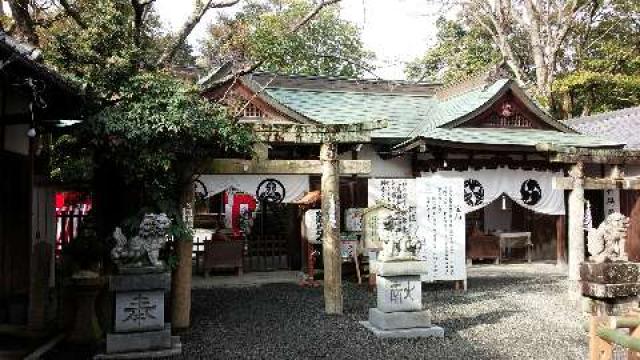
x=610 y=273
x=433 y=331
x=174 y=350
x=400 y=319
x=610 y=280
x=399 y=293
x=139 y=329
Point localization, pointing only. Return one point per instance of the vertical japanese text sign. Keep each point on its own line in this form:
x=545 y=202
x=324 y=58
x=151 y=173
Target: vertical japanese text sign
x=441 y=227
x=611 y=201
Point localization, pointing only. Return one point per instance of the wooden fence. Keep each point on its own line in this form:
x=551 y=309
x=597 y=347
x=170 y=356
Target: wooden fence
x=67 y=224
x=615 y=337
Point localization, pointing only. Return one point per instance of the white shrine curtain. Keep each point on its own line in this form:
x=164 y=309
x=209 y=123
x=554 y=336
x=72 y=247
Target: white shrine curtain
x=292 y=186
x=530 y=189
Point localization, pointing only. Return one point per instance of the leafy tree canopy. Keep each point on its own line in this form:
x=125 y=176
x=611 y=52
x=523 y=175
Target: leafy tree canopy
x=607 y=70
x=460 y=51
x=158 y=130
x=261 y=31
x=589 y=63
x=148 y=126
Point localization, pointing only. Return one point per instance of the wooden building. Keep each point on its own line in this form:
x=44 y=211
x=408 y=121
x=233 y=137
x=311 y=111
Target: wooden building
x=484 y=127
x=620 y=126
x=32 y=101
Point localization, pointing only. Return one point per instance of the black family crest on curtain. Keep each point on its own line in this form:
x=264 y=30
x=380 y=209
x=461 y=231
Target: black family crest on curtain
x=270 y=191
x=473 y=192
x=531 y=192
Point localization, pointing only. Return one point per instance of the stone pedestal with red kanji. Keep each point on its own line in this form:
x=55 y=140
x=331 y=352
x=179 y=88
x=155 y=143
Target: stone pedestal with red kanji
x=399 y=312
x=139 y=328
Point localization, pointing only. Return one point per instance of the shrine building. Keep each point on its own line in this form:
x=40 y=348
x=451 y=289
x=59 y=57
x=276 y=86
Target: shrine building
x=621 y=126
x=485 y=130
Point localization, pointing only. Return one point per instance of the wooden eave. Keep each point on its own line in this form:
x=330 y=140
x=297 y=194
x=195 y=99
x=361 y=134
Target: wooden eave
x=428 y=142
x=572 y=155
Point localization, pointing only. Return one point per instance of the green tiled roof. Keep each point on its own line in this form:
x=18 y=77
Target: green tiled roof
x=403 y=112
x=515 y=137
x=406 y=114
x=452 y=109
x=414 y=116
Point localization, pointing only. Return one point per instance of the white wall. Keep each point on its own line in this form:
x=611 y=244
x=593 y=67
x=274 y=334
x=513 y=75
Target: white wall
x=397 y=167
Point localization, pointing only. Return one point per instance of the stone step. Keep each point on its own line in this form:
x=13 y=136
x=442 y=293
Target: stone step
x=433 y=331
x=399 y=320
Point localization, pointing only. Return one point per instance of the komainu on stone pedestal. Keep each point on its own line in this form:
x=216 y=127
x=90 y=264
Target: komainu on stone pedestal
x=607 y=242
x=144 y=248
x=397 y=244
x=139 y=289
x=399 y=312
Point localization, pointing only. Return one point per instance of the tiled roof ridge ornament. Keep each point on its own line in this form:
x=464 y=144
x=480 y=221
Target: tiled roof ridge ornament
x=479 y=80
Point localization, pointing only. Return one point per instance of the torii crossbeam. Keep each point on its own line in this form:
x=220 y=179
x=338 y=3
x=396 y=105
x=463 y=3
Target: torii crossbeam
x=329 y=166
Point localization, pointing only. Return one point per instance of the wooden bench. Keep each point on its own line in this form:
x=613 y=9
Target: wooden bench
x=483 y=247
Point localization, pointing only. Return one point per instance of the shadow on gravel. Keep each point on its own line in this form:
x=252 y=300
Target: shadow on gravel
x=465 y=322
x=285 y=321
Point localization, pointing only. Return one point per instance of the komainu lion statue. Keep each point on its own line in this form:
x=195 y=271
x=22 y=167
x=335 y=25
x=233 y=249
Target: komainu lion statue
x=144 y=248
x=397 y=244
x=607 y=242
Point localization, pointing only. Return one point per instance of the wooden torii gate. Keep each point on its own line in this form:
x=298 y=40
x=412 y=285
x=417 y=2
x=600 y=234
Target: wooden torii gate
x=328 y=165
x=577 y=183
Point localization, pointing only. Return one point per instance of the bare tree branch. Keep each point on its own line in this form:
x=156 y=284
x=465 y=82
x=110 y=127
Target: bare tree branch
x=355 y=63
x=311 y=14
x=187 y=28
x=252 y=67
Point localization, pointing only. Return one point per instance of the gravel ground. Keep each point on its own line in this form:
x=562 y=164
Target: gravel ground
x=508 y=312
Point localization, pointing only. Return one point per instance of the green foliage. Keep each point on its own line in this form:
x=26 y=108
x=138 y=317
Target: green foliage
x=87 y=250
x=146 y=131
x=599 y=91
x=607 y=74
x=70 y=160
x=103 y=55
x=460 y=51
x=159 y=128
x=327 y=45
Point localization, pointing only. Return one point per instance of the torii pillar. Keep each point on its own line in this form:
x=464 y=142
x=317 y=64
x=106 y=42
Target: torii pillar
x=331 y=228
x=576 y=228
x=328 y=166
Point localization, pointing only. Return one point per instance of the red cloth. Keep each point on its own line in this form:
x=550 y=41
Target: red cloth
x=239 y=201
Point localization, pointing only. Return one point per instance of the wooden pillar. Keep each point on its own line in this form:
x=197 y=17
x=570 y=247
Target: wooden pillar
x=181 y=279
x=330 y=188
x=630 y=205
x=561 y=240
x=576 y=228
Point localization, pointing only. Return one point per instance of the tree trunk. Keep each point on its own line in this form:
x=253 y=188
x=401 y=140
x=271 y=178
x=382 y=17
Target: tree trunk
x=331 y=229
x=25 y=28
x=181 y=280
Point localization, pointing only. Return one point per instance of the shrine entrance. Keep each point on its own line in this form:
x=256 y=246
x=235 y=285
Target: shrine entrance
x=504 y=231
x=274 y=242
